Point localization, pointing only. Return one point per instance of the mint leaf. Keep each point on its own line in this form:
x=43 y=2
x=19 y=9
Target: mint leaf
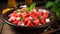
x=27 y=9
x=21 y=18
x=32 y=6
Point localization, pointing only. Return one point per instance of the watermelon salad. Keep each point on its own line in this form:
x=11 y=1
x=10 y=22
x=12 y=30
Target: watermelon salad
x=26 y=17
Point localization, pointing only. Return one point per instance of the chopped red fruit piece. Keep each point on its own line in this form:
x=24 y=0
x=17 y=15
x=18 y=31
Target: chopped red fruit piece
x=20 y=23
x=15 y=22
x=43 y=21
x=13 y=18
x=29 y=23
x=29 y=13
x=26 y=19
x=24 y=14
x=45 y=14
x=36 y=22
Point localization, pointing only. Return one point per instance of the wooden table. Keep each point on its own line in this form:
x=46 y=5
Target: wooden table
x=7 y=30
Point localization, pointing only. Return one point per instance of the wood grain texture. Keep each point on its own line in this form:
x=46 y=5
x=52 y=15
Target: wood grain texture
x=7 y=30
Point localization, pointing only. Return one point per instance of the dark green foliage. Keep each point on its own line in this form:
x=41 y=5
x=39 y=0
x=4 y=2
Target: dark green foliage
x=54 y=6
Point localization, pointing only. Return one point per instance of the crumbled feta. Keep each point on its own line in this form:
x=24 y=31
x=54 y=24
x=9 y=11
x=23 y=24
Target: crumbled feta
x=12 y=18
x=47 y=20
x=22 y=24
x=24 y=6
x=43 y=10
x=40 y=24
x=18 y=10
x=34 y=10
x=9 y=19
x=30 y=17
x=39 y=10
x=18 y=18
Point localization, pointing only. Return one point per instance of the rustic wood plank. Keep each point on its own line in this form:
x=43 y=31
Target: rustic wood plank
x=7 y=30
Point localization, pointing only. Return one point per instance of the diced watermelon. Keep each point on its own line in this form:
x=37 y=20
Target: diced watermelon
x=15 y=12
x=24 y=14
x=29 y=23
x=29 y=13
x=46 y=14
x=36 y=22
x=37 y=14
x=10 y=15
x=15 y=22
x=13 y=18
x=43 y=21
x=20 y=23
x=33 y=14
x=35 y=18
x=26 y=19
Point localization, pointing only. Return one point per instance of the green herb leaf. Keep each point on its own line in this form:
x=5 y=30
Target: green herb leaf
x=49 y=4
x=27 y=9
x=32 y=6
x=21 y=18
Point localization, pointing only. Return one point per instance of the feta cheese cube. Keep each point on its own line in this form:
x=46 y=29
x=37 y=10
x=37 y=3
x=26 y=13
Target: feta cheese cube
x=18 y=18
x=22 y=24
x=30 y=17
x=24 y=6
x=47 y=20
